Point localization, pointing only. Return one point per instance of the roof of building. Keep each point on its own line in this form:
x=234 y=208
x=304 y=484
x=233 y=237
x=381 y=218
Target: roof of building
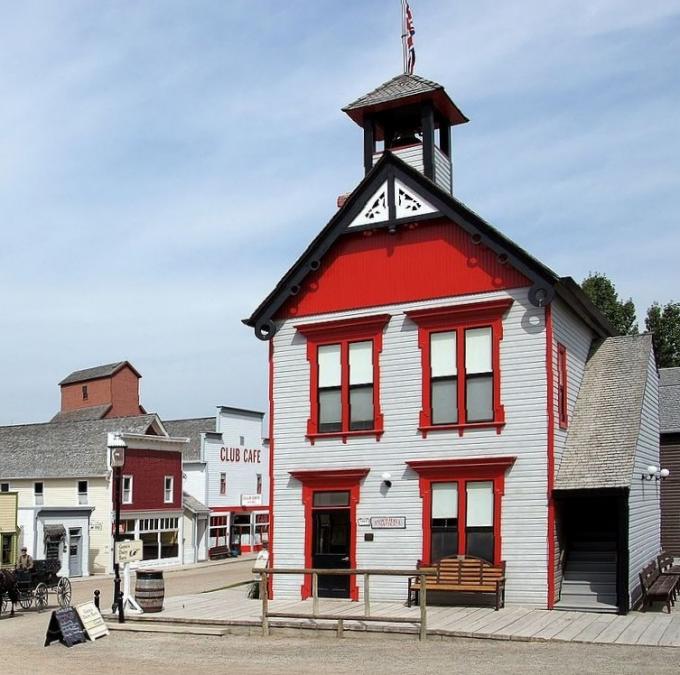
x=193 y=504
x=191 y=429
x=97 y=372
x=263 y=318
x=404 y=89
x=605 y=426
x=242 y=411
x=96 y=412
x=669 y=400
x=65 y=450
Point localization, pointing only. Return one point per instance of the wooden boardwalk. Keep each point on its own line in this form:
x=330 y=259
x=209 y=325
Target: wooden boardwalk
x=231 y=608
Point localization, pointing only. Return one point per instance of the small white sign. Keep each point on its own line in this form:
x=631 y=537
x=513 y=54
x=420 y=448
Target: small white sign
x=251 y=500
x=92 y=620
x=388 y=523
x=364 y=522
x=129 y=550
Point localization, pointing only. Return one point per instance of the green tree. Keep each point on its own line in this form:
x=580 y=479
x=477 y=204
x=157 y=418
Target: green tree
x=664 y=324
x=603 y=294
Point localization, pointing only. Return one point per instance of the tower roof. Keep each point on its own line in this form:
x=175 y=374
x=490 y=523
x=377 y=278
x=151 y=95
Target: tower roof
x=404 y=90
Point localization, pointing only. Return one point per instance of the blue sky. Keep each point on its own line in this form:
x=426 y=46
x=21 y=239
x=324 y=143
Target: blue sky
x=162 y=163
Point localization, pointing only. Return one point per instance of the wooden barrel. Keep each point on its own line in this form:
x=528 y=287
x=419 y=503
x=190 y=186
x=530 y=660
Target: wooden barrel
x=150 y=590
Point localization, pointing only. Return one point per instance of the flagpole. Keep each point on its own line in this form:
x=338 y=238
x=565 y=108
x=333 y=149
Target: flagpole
x=403 y=37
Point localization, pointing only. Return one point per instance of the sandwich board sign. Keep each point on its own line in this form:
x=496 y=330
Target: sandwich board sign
x=92 y=621
x=65 y=627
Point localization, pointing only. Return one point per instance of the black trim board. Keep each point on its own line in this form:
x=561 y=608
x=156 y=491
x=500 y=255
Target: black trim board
x=389 y=166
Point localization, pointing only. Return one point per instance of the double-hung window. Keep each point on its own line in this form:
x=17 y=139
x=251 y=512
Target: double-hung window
x=38 y=494
x=127 y=489
x=344 y=376
x=168 y=490
x=460 y=356
x=462 y=506
x=82 y=492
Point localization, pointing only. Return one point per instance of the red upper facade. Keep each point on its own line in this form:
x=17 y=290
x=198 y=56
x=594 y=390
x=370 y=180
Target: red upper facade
x=149 y=470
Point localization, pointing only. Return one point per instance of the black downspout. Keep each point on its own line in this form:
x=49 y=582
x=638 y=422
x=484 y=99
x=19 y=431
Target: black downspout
x=369 y=143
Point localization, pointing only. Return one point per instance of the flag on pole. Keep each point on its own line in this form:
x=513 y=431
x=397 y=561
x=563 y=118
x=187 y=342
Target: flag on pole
x=407 y=33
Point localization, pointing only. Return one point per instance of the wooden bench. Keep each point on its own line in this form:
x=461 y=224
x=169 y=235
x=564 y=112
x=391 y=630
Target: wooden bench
x=462 y=574
x=219 y=552
x=657 y=586
x=666 y=567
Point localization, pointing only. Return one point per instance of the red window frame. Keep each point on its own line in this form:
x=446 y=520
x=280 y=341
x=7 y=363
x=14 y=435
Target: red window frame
x=460 y=318
x=562 y=390
x=343 y=333
x=462 y=471
x=334 y=480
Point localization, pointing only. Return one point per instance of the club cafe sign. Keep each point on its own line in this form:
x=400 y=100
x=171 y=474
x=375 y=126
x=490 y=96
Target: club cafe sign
x=246 y=455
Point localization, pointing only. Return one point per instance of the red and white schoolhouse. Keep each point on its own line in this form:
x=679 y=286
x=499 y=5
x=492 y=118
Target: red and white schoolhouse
x=435 y=390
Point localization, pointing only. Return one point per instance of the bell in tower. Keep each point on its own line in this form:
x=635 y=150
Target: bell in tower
x=412 y=118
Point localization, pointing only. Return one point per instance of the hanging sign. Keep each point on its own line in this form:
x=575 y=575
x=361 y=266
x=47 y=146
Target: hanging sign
x=388 y=523
x=65 y=627
x=129 y=550
x=92 y=620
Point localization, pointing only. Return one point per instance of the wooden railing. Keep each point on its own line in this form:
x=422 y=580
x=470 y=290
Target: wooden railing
x=266 y=574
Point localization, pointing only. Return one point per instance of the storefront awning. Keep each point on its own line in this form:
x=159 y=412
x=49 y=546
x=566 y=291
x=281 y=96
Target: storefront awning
x=54 y=532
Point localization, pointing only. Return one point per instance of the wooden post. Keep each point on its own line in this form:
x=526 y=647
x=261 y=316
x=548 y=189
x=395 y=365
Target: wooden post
x=423 y=607
x=367 y=602
x=265 y=603
x=341 y=627
x=315 y=594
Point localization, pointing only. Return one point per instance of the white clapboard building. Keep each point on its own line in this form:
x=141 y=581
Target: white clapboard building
x=226 y=467
x=437 y=391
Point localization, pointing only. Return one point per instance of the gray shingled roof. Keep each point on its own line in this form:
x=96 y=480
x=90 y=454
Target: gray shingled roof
x=669 y=400
x=398 y=87
x=190 y=502
x=95 y=373
x=191 y=429
x=96 y=412
x=604 y=429
x=65 y=450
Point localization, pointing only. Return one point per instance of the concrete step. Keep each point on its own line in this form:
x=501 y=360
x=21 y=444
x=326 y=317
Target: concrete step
x=593 y=546
x=591 y=557
x=600 y=577
x=565 y=605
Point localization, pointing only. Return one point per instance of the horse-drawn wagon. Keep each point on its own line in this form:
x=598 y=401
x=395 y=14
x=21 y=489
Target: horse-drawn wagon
x=34 y=586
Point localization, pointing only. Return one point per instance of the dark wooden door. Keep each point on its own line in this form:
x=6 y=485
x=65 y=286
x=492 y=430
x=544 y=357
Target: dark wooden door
x=332 y=532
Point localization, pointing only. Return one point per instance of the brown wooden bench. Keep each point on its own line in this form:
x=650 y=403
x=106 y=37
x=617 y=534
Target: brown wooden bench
x=656 y=586
x=219 y=552
x=462 y=574
x=666 y=567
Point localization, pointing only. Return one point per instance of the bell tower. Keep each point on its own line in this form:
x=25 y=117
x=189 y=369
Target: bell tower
x=412 y=118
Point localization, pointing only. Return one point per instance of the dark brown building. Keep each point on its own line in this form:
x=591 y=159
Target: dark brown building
x=669 y=413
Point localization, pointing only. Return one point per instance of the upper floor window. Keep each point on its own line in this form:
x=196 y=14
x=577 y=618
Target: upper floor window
x=258 y=485
x=460 y=356
x=127 y=489
x=223 y=483
x=169 y=491
x=344 y=368
x=4 y=487
x=85 y=395
x=562 y=399
x=38 y=493
x=82 y=492
x=241 y=440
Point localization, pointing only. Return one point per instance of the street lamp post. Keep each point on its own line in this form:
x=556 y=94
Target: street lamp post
x=117 y=454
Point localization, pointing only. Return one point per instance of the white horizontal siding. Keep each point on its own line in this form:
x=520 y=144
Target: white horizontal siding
x=442 y=170
x=523 y=392
x=644 y=538
x=575 y=335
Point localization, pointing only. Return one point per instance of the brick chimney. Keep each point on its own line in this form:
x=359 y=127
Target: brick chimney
x=111 y=390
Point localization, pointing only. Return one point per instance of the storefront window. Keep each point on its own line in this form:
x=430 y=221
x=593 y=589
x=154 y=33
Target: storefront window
x=160 y=538
x=169 y=545
x=218 y=531
x=7 y=548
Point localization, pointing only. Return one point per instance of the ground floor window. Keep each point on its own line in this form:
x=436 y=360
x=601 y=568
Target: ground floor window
x=160 y=538
x=261 y=528
x=462 y=507
x=218 y=535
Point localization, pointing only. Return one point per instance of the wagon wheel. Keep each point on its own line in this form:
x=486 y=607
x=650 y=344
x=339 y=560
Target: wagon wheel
x=41 y=596
x=64 y=592
x=26 y=599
